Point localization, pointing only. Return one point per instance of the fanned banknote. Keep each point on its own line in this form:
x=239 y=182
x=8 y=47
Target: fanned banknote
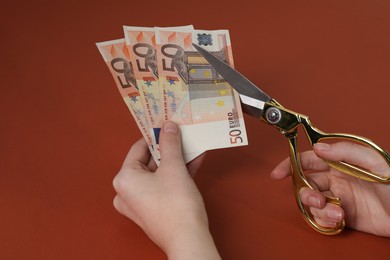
x=141 y=44
x=116 y=56
x=162 y=77
x=195 y=96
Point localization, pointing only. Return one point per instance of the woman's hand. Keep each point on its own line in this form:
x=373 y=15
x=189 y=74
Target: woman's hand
x=365 y=205
x=165 y=201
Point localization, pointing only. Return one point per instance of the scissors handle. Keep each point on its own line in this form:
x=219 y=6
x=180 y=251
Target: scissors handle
x=299 y=182
x=316 y=136
x=287 y=122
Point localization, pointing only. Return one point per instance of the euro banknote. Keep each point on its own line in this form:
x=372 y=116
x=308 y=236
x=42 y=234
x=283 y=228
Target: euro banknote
x=116 y=57
x=141 y=43
x=196 y=97
x=172 y=81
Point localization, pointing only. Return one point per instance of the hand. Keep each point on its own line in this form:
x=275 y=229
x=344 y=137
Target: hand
x=165 y=201
x=365 y=205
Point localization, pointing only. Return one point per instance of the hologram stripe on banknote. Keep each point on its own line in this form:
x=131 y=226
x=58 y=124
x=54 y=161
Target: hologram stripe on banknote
x=116 y=56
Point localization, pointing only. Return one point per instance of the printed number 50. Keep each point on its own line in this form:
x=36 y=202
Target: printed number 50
x=235 y=136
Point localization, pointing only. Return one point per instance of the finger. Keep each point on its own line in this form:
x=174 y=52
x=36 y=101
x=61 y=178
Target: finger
x=312 y=198
x=195 y=164
x=282 y=170
x=138 y=154
x=170 y=144
x=331 y=213
x=326 y=224
x=351 y=153
x=309 y=161
x=319 y=181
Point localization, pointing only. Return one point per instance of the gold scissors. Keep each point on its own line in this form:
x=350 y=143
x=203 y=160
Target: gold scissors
x=258 y=104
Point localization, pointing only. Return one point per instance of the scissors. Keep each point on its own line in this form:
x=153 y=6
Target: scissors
x=261 y=106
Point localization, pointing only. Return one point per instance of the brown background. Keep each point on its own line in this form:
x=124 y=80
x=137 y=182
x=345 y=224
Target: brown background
x=65 y=130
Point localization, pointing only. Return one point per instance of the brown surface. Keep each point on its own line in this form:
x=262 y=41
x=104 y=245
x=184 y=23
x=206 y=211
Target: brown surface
x=65 y=130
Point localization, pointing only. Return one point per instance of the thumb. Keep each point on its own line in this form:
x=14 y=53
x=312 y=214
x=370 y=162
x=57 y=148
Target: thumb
x=170 y=143
x=344 y=151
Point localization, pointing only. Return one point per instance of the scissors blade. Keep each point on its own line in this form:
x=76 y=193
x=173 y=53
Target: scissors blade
x=252 y=98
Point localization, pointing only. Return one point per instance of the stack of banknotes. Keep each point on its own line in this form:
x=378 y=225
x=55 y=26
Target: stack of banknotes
x=161 y=76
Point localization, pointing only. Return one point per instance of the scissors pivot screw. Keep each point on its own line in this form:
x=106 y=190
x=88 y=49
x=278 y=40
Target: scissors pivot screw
x=273 y=115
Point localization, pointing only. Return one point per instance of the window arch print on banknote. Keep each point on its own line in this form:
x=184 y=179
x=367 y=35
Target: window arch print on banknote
x=200 y=71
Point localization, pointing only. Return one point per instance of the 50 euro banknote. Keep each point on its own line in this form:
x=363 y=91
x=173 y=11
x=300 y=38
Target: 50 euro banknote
x=116 y=57
x=141 y=43
x=196 y=97
x=161 y=77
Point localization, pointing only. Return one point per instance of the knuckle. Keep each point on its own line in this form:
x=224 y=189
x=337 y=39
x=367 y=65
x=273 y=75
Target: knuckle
x=115 y=183
x=117 y=204
x=119 y=183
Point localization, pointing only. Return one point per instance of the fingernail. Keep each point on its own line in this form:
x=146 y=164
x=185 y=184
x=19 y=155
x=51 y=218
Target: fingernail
x=335 y=214
x=170 y=127
x=313 y=201
x=322 y=146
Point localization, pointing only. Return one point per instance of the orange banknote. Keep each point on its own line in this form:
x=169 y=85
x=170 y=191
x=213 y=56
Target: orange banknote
x=206 y=107
x=162 y=77
x=116 y=56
